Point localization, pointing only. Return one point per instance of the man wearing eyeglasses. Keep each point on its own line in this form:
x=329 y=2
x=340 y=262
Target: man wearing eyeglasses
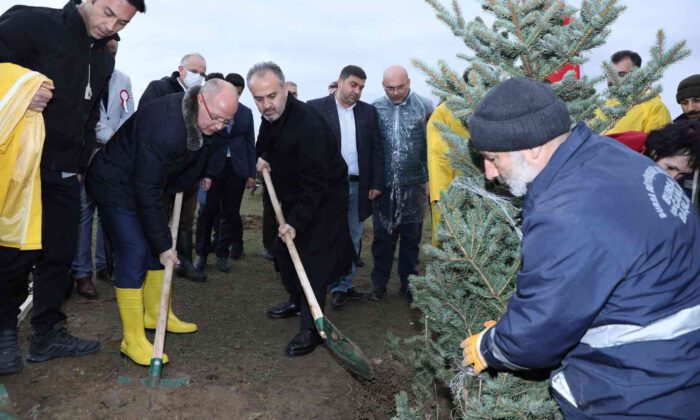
x=398 y=213
x=190 y=73
x=645 y=117
x=162 y=148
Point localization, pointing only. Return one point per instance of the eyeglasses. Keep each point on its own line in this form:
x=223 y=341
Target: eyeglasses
x=395 y=88
x=215 y=118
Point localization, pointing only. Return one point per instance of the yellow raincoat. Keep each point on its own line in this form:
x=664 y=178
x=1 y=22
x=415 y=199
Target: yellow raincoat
x=647 y=116
x=21 y=142
x=440 y=170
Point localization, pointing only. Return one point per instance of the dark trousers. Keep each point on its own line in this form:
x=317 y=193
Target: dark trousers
x=223 y=204
x=132 y=254
x=269 y=222
x=291 y=282
x=189 y=205
x=383 y=248
x=59 y=234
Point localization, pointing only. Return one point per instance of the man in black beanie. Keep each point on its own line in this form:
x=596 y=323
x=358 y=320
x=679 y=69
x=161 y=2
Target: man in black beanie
x=688 y=97
x=608 y=296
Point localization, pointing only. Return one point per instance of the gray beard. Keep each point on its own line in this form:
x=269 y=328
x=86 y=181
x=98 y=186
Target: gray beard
x=520 y=177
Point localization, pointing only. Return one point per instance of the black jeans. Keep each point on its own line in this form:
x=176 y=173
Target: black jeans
x=59 y=236
x=383 y=248
x=223 y=205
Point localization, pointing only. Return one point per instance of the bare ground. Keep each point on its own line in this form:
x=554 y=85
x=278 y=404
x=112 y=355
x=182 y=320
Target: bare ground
x=235 y=363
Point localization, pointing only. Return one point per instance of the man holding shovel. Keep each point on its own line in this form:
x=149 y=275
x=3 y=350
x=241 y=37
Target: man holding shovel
x=162 y=148
x=311 y=181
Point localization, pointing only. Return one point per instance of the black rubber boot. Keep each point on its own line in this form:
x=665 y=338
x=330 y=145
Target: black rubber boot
x=184 y=254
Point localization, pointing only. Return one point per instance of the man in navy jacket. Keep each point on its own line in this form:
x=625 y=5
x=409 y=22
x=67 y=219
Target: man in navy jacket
x=162 y=148
x=235 y=161
x=609 y=291
x=190 y=73
x=355 y=127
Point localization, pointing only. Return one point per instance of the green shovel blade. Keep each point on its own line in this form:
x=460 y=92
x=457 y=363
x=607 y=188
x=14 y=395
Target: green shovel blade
x=5 y=404
x=349 y=354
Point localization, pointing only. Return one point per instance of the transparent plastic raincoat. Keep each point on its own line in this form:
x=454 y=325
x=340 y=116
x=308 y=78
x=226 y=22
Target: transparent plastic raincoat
x=402 y=128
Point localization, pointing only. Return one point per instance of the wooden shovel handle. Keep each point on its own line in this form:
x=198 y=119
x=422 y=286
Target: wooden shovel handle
x=159 y=340
x=301 y=273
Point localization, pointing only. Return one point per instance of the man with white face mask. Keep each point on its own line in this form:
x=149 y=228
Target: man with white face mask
x=190 y=73
x=608 y=294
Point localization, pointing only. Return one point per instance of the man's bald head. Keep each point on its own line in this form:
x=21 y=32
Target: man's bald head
x=192 y=63
x=218 y=103
x=395 y=72
x=396 y=83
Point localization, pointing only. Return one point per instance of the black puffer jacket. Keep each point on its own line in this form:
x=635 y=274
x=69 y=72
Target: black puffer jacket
x=160 y=148
x=162 y=87
x=55 y=43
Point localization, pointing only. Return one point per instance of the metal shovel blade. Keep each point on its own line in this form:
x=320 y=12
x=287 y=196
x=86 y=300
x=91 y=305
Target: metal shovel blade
x=348 y=352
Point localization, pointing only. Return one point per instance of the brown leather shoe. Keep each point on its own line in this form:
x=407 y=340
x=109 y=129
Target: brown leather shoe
x=85 y=287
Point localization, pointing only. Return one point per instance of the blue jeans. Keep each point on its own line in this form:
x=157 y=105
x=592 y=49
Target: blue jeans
x=132 y=254
x=82 y=263
x=356 y=228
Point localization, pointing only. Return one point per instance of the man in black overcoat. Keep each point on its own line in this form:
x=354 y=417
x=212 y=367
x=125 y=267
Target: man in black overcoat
x=311 y=181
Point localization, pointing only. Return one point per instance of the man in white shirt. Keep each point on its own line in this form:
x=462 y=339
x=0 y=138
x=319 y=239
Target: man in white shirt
x=354 y=125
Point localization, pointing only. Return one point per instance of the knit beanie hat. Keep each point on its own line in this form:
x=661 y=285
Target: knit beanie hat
x=688 y=88
x=520 y=113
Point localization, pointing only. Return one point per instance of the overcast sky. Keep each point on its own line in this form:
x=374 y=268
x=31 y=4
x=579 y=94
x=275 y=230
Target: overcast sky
x=313 y=39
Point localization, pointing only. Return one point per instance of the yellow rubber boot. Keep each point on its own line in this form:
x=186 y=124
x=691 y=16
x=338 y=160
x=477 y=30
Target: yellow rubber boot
x=135 y=345
x=152 y=288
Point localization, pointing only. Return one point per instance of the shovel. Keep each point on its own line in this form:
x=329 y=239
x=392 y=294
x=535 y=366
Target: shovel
x=156 y=368
x=347 y=351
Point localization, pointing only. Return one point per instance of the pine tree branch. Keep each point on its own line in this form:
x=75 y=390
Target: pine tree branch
x=514 y=270
x=610 y=7
x=475 y=266
x=473 y=239
x=527 y=67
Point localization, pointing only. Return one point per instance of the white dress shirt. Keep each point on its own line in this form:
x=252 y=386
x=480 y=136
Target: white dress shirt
x=348 y=141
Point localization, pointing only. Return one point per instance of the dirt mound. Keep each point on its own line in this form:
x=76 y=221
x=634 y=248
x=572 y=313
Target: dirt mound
x=376 y=399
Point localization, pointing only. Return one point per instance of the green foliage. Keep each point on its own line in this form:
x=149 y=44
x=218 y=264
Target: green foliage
x=472 y=274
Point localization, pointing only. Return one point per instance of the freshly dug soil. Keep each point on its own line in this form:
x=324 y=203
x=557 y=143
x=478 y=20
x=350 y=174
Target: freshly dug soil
x=235 y=363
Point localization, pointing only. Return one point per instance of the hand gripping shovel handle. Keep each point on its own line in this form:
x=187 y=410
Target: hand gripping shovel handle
x=159 y=341
x=301 y=273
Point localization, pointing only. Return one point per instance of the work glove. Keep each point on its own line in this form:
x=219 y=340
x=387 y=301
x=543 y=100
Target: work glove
x=472 y=354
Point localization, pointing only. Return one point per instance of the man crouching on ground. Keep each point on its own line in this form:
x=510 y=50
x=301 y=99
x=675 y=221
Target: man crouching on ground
x=163 y=147
x=609 y=290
